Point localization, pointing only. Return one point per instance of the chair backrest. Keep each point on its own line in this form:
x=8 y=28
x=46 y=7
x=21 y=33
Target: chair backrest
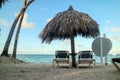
x=85 y=54
x=62 y=54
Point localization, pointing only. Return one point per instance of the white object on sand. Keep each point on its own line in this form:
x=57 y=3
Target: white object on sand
x=101 y=47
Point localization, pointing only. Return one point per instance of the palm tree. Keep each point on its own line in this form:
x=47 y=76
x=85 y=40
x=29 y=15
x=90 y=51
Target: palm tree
x=19 y=27
x=2 y=2
x=7 y=44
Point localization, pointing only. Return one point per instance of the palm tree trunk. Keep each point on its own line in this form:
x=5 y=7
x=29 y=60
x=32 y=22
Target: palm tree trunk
x=18 y=30
x=73 y=52
x=7 y=44
x=17 y=35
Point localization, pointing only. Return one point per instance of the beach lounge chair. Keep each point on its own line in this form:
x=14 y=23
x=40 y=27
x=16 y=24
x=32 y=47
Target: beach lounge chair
x=115 y=61
x=86 y=57
x=61 y=57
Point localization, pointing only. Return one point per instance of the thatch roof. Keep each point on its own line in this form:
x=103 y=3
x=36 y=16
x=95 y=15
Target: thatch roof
x=69 y=23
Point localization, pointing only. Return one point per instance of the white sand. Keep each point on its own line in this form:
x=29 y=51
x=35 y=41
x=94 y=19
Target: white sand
x=34 y=71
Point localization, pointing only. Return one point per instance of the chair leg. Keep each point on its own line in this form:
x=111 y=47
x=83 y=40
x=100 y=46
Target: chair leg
x=58 y=64
x=91 y=63
x=69 y=64
x=53 y=64
x=94 y=63
x=77 y=64
x=116 y=66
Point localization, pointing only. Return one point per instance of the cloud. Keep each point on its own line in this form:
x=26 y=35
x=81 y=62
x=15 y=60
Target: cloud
x=115 y=50
x=66 y=42
x=112 y=29
x=36 y=51
x=116 y=38
x=79 y=44
x=115 y=29
x=43 y=9
x=4 y=22
x=25 y=23
x=115 y=44
x=107 y=21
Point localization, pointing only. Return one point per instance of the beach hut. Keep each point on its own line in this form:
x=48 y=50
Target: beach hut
x=67 y=25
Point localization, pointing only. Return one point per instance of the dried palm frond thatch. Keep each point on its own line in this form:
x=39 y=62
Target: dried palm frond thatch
x=68 y=24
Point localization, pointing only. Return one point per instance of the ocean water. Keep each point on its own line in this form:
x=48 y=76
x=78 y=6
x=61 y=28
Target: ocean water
x=48 y=58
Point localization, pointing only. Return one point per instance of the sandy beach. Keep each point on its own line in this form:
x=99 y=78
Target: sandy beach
x=35 y=71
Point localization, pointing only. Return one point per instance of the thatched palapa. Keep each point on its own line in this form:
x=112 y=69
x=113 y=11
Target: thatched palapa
x=66 y=25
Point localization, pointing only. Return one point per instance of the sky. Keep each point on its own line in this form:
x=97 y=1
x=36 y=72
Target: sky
x=105 y=12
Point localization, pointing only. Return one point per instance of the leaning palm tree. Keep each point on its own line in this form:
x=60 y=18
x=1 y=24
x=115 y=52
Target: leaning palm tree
x=17 y=35
x=2 y=2
x=19 y=27
x=7 y=44
x=66 y=25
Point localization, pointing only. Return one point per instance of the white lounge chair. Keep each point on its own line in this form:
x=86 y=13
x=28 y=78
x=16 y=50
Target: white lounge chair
x=61 y=57
x=115 y=61
x=86 y=57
